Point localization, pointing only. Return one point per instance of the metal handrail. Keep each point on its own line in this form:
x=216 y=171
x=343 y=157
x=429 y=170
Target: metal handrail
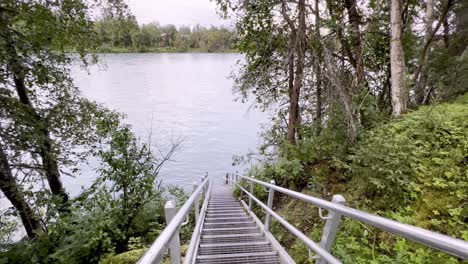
x=156 y=251
x=310 y=243
x=452 y=246
x=194 y=241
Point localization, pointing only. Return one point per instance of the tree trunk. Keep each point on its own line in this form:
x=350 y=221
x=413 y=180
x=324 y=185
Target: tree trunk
x=420 y=85
x=300 y=44
x=10 y=188
x=49 y=160
x=396 y=61
x=291 y=136
x=293 y=98
x=446 y=34
x=356 y=41
x=336 y=18
x=318 y=72
x=428 y=40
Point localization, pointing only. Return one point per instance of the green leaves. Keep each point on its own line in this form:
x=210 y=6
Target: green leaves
x=420 y=161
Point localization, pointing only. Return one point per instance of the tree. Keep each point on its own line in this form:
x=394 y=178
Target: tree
x=317 y=68
x=13 y=193
x=16 y=67
x=44 y=118
x=151 y=34
x=399 y=93
x=419 y=89
x=419 y=74
x=297 y=46
x=356 y=42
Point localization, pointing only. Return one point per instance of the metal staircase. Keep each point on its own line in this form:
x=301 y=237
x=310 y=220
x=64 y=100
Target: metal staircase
x=230 y=235
x=228 y=232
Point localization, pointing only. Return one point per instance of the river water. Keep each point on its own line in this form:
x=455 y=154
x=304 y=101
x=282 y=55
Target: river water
x=178 y=97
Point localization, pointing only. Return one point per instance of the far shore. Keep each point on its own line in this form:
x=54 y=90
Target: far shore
x=162 y=50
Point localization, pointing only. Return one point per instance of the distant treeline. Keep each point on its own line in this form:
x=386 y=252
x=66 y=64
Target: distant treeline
x=126 y=35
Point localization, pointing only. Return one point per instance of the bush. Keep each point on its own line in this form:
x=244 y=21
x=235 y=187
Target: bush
x=419 y=161
x=129 y=257
x=413 y=170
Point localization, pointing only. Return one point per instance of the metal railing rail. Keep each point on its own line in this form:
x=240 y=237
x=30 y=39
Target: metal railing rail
x=169 y=237
x=310 y=243
x=195 y=240
x=336 y=209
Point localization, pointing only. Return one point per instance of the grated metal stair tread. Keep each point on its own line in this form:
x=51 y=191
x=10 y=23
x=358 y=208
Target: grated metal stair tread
x=240 y=258
x=230 y=236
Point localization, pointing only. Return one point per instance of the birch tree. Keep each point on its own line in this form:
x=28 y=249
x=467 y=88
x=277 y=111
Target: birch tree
x=397 y=65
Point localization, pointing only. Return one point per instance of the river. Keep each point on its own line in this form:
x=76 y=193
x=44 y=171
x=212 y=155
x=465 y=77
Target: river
x=176 y=96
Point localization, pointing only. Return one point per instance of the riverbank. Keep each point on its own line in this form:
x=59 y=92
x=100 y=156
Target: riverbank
x=412 y=170
x=161 y=50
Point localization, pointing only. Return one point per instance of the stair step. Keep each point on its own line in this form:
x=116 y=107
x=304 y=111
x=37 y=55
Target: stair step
x=230 y=224
x=214 y=215
x=230 y=238
x=221 y=225
x=234 y=248
x=230 y=230
x=237 y=208
x=226 y=212
x=217 y=219
x=208 y=245
x=225 y=208
x=210 y=205
x=238 y=258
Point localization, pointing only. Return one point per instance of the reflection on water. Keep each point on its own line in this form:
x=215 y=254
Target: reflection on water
x=177 y=96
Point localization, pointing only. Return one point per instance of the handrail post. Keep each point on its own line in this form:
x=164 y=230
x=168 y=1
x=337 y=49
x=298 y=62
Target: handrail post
x=202 y=178
x=197 y=202
x=227 y=175
x=174 y=244
x=205 y=187
x=251 y=191
x=331 y=227
x=271 y=192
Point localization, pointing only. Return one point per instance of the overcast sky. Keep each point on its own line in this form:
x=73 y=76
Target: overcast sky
x=177 y=12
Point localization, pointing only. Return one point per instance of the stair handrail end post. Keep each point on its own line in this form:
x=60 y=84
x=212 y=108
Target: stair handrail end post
x=205 y=188
x=331 y=227
x=202 y=178
x=251 y=191
x=174 y=245
x=271 y=193
x=197 y=202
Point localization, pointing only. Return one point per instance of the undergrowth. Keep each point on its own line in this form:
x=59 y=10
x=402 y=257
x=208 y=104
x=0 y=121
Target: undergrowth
x=413 y=170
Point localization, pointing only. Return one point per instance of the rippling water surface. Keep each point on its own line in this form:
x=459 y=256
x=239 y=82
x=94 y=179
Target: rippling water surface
x=181 y=96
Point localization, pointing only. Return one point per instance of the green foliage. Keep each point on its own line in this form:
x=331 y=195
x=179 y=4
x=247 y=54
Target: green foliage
x=421 y=160
x=290 y=164
x=93 y=233
x=129 y=257
x=413 y=170
x=123 y=34
x=121 y=211
x=449 y=72
x=48 y=130
x=355 y=242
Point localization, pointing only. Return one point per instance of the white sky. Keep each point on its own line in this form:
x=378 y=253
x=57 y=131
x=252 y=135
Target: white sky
x=176 y=12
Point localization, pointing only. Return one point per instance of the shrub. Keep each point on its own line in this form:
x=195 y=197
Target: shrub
x=419 y=161
x=129 y=257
